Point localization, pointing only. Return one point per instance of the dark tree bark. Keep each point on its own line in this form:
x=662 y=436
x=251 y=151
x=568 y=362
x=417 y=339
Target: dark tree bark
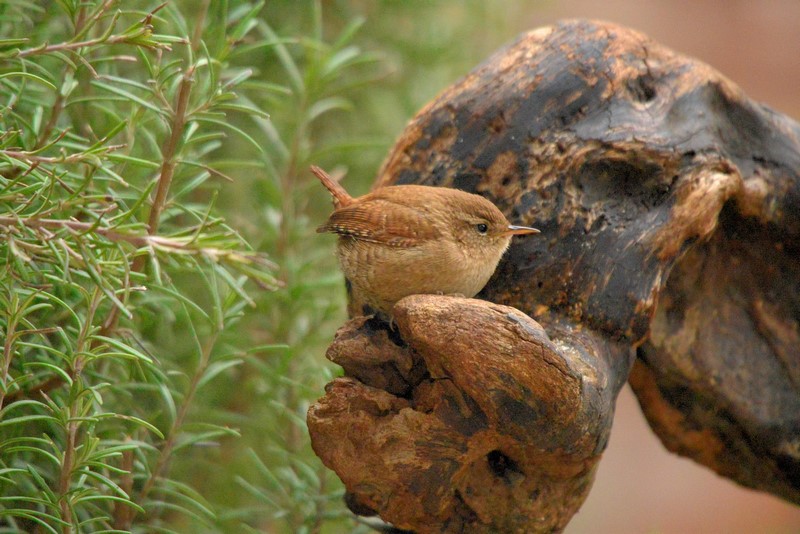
x=670 y=209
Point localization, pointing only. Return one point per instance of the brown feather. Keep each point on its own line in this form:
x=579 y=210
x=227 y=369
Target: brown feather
x=378 y=220
x=409 y=239
x=340 y=196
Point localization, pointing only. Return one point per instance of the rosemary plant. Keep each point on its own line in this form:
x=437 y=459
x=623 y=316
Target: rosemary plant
x=118 y=276
x=156 y=364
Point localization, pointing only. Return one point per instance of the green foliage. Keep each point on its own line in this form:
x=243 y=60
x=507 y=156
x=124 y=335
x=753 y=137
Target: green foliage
x=164 y=299
x=111 y=124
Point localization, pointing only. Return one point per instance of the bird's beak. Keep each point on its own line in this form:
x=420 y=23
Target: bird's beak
x=520 y=230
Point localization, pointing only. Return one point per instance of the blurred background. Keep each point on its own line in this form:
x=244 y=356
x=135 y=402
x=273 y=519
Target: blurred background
x=214 y=421
x=420 y=47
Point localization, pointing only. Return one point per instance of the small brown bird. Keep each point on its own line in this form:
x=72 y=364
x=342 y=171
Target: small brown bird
x=411 y=239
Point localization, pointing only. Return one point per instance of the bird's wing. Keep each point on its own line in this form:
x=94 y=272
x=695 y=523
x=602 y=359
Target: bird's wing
x=381 y=221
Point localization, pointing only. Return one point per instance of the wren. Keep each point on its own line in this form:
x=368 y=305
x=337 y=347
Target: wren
x=405 y=240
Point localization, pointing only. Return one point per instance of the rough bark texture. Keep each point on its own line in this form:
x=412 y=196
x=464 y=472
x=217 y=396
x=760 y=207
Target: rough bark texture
x=467 y=418
x=670 y=209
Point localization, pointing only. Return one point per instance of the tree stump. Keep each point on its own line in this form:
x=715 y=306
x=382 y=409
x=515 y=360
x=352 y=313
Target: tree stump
x=669 y=205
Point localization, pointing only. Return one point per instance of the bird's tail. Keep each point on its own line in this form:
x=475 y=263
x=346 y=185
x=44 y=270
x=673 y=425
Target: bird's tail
x=340 y=196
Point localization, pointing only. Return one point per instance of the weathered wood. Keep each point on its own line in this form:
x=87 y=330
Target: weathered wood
x=500 y=432
x=670 y=209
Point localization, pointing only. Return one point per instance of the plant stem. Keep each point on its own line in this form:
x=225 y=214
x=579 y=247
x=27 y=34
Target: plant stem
x=168 y=155
x=66 y=468
x=30 y=157
x=123 y=515
x=168 y=163
x=169 y=444
x=109 y=233
x=8 y=349
x=69 y=46
x=177 y=245
x=58 y=104
x=73 y=423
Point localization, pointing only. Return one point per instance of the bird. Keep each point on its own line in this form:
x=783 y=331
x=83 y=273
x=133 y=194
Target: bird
x=403 y=240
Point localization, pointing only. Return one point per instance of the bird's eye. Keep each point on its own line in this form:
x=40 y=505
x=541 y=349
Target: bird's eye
x=482 y=228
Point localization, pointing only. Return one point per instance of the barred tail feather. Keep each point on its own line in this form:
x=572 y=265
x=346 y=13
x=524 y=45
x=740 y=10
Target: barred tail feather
x=341 y=197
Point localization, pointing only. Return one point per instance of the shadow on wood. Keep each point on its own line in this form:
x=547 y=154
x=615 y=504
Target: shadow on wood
x=670 y=209
x=472 y=419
